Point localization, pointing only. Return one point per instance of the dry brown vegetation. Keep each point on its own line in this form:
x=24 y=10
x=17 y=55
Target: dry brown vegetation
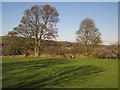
x=58 y=49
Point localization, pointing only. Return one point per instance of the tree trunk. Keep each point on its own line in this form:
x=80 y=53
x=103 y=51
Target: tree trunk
x=40 y=38
x=39 y=42
x=26 y=52
x=36 y=46
x=36 y=37
x=39 y=46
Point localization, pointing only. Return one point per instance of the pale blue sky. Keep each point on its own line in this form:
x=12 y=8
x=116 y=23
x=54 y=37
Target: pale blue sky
x=0 y=18
x=60 y=0
x=104 y=14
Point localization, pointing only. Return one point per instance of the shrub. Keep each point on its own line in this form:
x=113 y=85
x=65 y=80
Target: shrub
x=108 y=52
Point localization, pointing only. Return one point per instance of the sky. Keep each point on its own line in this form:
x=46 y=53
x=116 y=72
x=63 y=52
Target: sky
x=0 y=18
x=104 y=14
x=60 y=0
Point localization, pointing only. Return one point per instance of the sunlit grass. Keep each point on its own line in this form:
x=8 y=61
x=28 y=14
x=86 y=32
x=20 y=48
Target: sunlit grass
x=36 y=72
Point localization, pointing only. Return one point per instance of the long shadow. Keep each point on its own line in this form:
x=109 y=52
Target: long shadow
x=63 y=76
x=37 y=64
x=13 y=68
x=47 y=63
x=41 y=63
x=81 y=74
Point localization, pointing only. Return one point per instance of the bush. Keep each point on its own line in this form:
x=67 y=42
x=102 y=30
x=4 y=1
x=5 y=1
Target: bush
x=106 y=52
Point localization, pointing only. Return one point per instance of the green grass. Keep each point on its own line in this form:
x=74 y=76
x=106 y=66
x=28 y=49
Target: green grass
x=59 y=73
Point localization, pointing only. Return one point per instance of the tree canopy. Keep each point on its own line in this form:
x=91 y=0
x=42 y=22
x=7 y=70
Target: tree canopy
x=88 y=33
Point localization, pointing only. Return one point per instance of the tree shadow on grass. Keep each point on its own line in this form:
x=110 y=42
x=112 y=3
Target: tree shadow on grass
x=47 y=63
x=36 y=63
x=57 y=76
x=28 y=65
x=67 y=76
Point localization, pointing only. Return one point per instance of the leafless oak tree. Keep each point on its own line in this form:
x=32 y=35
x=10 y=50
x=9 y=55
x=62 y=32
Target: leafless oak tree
x=88 y=34
x=39 y=22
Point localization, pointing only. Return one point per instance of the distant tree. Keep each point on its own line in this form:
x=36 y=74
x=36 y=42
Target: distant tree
x=88 y=34
x=39 y=23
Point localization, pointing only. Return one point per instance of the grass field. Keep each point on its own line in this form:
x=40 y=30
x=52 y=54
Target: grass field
x=59 y=73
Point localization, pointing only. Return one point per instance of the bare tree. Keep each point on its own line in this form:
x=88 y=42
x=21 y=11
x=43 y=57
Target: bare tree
x=88 y=34
x=39 y=22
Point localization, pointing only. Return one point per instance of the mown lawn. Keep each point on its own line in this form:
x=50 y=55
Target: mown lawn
x=59 y=73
